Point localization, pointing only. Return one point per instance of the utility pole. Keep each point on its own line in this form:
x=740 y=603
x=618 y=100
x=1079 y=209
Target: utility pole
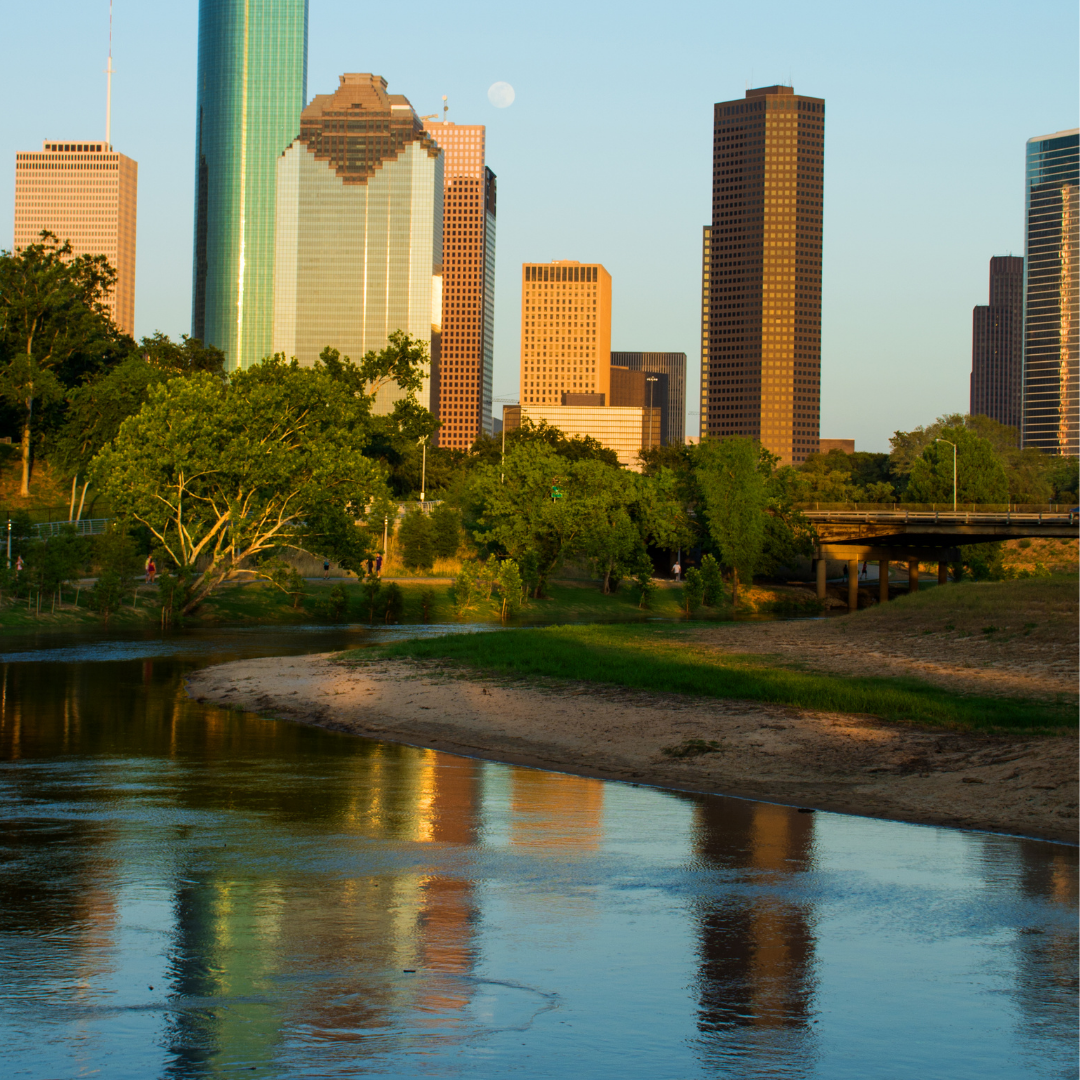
x=650 y=380
x=423 y=473
x=108 y=89
x=9 y=543
x=502 y=460
x=953 y=445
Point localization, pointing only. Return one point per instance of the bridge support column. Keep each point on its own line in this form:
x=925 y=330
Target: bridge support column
x=853 y=584
x=883 y=581
x=943 y=573
x=820 y=568
x=913 y=575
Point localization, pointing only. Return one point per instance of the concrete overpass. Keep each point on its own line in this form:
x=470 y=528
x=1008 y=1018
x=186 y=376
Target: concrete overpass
x=894 y=534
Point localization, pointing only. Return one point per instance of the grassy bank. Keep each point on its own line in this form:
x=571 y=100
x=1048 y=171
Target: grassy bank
x=667 y=660
x=258 y=604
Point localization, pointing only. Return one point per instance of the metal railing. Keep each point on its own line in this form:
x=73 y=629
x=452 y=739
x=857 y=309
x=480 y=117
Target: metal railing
x=86 y=527
x=966 y=517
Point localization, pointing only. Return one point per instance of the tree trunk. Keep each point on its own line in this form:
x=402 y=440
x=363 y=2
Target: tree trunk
x=607 y=581
x=25 y=489
x=734 y=586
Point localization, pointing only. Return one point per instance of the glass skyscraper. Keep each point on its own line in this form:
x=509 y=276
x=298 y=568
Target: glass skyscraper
x=359 y=230
x=252 y=85
x=1051 y=327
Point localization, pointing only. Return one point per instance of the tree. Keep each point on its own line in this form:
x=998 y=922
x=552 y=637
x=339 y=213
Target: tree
x=221 y=473
x=736 y=499
x=417 y=539
x=52 y=308
x=509 y=579
x=693 y=590
x=446 y=530
x=980 y=476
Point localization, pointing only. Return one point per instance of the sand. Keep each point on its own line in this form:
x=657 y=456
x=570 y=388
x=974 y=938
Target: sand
x=857 y=765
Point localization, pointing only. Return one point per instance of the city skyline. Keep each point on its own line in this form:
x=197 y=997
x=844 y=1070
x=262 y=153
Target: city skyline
x=884 y=255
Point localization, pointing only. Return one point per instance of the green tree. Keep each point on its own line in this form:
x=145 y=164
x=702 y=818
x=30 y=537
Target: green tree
x=712 y=580
x=693 y=590
x=736 y=501
x=509 y=579
x=221 y=473
x=464 y=587
x=980 y=476
x=446 y=530
x=417 y=539
x=118 y=563
x=52 y=309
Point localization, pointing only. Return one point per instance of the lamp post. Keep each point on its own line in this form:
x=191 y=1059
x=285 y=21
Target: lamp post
x=423 y=470
x=953 y=445
x=650 y=379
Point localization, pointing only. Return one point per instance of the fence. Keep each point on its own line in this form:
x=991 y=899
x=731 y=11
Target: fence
x=86 y=527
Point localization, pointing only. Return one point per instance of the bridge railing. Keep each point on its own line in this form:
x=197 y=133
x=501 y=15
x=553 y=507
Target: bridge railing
x=932 y=508
x=86 y=527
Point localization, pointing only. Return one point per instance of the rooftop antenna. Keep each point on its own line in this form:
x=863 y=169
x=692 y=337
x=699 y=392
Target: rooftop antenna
x=445 y=107
x=108 y=87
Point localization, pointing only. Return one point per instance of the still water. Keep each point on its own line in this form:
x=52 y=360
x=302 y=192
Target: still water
x=190 y=892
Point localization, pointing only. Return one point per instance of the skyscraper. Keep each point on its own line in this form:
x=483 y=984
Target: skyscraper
x=673 y=366
x=1051 y=323
x=86 y=193
x=997 y=344
x=359 y=229
x=462 y=381
x=761 y=274
x=565 y=332
x=251 y=87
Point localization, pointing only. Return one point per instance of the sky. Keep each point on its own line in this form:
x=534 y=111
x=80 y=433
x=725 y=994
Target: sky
x=605 y=154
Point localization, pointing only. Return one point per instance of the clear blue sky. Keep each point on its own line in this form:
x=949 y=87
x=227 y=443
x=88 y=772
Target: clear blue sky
x=605 y=154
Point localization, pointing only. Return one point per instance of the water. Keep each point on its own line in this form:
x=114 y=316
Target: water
x=187 y=891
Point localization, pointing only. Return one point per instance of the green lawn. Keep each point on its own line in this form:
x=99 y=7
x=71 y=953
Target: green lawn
x=665 y=659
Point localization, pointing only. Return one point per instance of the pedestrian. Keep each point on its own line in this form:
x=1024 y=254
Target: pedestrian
x=151 y=570
x=677 y=570
x=864 y=570
x=18 y=564
x=370 y=564
x=325 y=569
x=378 y=564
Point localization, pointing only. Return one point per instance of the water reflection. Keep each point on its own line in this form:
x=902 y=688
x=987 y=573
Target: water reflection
x=188 y=891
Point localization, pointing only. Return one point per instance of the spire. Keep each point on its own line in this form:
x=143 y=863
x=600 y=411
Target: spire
x=108 y=87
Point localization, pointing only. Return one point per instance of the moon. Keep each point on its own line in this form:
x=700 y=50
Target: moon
x=501 y=95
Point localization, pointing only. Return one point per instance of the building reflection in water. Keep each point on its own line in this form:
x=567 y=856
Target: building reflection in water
x=755 y=943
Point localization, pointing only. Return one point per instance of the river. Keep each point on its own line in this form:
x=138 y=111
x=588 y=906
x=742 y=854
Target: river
x=191 y=892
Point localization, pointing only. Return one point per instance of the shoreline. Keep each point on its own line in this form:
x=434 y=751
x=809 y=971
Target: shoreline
x=1007 y=784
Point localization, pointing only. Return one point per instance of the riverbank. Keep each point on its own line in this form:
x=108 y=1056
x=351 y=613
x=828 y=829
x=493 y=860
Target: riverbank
x=1021 y=782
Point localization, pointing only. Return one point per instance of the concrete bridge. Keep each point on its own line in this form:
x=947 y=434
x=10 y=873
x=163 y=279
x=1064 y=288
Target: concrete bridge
x=893 y=534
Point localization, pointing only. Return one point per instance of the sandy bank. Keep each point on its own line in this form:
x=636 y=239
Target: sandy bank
x=827 y=761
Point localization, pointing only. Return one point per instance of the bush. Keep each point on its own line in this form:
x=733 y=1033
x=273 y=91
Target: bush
x=509 y=587
x=643 y=578
x=370 y=595
x=463 y=591
x=693 y=590
x=333 y=604
x=427 y=604
x=417 y=538
x=529 y=568
x=446 y=530
x=393 y=603
x=713 y=582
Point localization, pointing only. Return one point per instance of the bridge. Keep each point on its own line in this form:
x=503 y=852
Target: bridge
x=897 y=534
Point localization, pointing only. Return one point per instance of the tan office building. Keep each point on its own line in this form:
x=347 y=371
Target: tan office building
x=565 y=332
x=622 y=429
x=85 y=193
x=461 y=382
x=761 y=273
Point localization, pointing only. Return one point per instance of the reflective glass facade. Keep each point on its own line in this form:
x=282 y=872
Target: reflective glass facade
x=672 y=366
x=1050 y=293
x=251 y=89
x=997 y=345
x=359 y=229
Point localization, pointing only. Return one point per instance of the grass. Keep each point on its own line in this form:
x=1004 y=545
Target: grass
x=667 y=660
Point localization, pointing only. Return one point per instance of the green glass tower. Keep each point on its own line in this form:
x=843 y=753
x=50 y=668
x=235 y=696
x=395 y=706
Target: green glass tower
x=252 y=87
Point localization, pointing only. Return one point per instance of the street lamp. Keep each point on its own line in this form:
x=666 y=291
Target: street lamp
x=423 y=469
x=953 y=445
x=650 y=379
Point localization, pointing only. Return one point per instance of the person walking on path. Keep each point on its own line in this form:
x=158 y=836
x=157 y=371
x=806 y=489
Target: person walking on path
x=677 y=571
x=18 y=564
x=378 y=565
x=325 y=569
x=151 y=570
x=370 y=565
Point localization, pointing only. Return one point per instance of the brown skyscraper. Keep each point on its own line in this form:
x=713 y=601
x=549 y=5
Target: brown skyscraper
x=761 y=274
x=997 y=345
x=461 y=385
x=86 y=193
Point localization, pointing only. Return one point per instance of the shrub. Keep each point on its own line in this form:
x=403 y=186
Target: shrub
x=509 y=587
x=529 y=567
x=693 y=590
x=393 y=603
x=713 y=581
x=417 y=539
x=370 y=592
x=427 y=603
x=446 y=530
x=333 y=604
x=463 y=591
